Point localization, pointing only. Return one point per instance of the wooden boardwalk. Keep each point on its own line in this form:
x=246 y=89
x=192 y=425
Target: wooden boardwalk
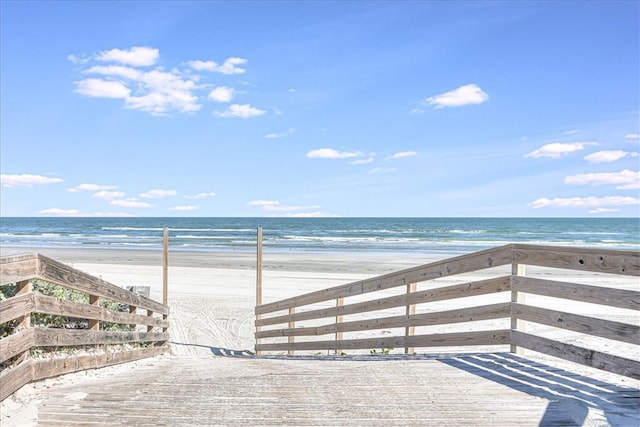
x=495 y=389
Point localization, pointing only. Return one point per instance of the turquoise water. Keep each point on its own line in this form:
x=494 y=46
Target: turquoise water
x=391 y=235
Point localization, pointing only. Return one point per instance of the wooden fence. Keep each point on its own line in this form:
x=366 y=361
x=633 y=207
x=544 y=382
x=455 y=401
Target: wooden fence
x=17 y=312
x=318 y=321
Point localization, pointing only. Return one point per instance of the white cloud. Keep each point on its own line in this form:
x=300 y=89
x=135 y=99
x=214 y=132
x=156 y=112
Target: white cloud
x=624 y=180
x=279 y=134
x=608 y=156
x=362 y=161
x=201 y=196
x=130 y=203
x=230 y=66
x=92 y=187
x=221 y=94
x=98 y=88
x=108 y=195
x=138 y=56
x=464 y=95
x=240 y=110
x=184 y=208
x=116 y=71
x=77 y=59
x=603 y=210
x=156 y=91
x=558 y=149
x=330 y=153
x=417 y=111
x=60 y=212
x=274 y=206
x=382 y=170
x=571 y=132
x=27 y=180
x=264 y=203
x=632 y=136
x=402 y=154
x=584 y=202
x=158 y=194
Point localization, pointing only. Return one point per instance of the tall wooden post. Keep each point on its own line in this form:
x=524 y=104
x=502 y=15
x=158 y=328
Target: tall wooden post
x=22 y=288
x=517 y=297
x=165 y=266
x=339 y=320
x=411 y=309
x=258 y=281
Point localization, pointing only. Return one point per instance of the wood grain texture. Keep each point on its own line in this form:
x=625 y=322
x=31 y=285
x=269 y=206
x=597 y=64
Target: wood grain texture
x=51 y=305
x=61 y=274
x=18 y=268
x=581 y=259
x=15 y=344
x=487 y=312
x=495 y=337
x=620 y=298
x=595 y=359
x=14 y=378
x=47 y=368
x=482 y=287
x=15 y=307
x=46 y=337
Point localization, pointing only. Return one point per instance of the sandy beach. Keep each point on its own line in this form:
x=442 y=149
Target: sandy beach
x=212 y=297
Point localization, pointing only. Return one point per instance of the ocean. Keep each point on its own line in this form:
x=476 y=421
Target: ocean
x=437 y=236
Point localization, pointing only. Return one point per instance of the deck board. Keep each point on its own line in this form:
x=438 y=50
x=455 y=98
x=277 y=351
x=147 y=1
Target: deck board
x=463 y=390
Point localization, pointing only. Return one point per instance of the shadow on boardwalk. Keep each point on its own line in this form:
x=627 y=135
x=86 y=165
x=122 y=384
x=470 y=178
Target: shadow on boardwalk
x=586 y=400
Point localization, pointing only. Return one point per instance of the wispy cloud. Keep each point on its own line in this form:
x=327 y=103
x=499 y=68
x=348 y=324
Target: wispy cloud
x=558 y=149
x=624 y=180
x=330 y=153
x=130 y=203
x=184 y=208
x=158 y=194
x=230 y=66
x=60 y=212
x=92 y=187
x=108 y=195
x=382 y=170
x=464 y=95
x=275 y=206
x=608 y=156
x=402 y=154
x=243 y=111
x=584 y=202
x=27 y=180
x=632 y=136
x=138 y=56
x=362 y=161
x=201 y=195
x=276 y=135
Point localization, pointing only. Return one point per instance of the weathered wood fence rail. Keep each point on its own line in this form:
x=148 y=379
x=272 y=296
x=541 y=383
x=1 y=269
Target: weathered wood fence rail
x=299 y=323
x=94 y=317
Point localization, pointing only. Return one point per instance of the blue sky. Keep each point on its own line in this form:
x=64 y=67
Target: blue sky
x=489 y=109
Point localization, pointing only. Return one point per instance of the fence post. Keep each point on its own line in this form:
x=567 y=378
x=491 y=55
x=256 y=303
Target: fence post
x=165 y=271
x=411 y=309
x=517 y=297
x=165 y=266
x=292 y=325
x=24 y=287
x=339 y=318
x=94 y=325
x=258 y=281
